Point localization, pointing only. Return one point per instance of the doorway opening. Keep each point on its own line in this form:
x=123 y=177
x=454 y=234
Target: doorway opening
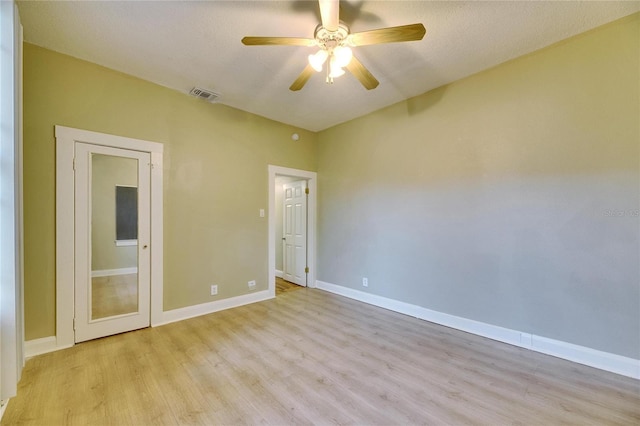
x=293 y=258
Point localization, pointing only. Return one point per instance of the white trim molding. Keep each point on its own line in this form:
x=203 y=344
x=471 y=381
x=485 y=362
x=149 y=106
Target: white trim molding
x=279 y=273
x=41 y=346
x=126 y=243
x=113 y=272
x=11 y=184
x=66 y=139
x=580 y=354
x=312 y=184
x=3 y=406
x=50 y=344
x=180 y=314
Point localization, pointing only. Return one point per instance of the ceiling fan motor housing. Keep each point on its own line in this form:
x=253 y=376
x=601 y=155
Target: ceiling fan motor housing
x=329 y=40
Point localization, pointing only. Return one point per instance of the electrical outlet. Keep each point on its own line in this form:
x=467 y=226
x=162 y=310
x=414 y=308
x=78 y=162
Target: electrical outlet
x=365 y=282
x=251 y=284
x=214 y=290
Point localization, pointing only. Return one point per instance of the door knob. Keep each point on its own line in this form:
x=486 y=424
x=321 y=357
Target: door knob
x=144 y=246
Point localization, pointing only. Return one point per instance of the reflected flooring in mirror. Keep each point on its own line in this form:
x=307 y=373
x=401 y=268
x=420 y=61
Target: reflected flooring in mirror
x=114 y=295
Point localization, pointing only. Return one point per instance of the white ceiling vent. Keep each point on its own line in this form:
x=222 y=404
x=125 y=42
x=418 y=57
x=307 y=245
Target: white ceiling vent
x=207 y=95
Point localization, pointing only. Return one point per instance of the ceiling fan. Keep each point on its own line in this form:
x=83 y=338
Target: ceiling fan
x=334 y=40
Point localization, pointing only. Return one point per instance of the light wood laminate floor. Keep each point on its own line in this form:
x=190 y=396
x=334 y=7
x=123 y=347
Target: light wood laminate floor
x=114 y=295
x=283 y=286
x=311 y=357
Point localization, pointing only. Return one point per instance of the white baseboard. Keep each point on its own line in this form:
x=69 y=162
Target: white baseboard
x=49 y=344
x=3 y=406
x=210 y=307
x=583 y=355
x=42 y=346
x=592 y=357
x=279 y=274
x=112 y=272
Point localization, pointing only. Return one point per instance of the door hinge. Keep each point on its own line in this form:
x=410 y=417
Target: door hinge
x=74 y=324
x=306 y=270
x=74 y=164
x=306 y=191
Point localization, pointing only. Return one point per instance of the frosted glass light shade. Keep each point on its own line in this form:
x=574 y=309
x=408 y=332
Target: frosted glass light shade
x=316 y=61
x=343 y=55
x=334 y=69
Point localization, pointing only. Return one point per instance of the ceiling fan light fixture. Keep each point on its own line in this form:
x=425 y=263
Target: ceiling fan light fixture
x=318 y=59
x=335 y=70
x=343 y=55
x=335 y=41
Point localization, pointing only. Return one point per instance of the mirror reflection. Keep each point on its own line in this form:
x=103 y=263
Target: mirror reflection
x=114 y=236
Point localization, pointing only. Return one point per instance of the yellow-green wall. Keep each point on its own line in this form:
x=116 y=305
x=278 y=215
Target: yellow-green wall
x=215 y=177
x=510 y=197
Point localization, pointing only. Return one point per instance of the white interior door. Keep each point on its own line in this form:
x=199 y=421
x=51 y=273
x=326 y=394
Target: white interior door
x=112 y=236
x=295 y=232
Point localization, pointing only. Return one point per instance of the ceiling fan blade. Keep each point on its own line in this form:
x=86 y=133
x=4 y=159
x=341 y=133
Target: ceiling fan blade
x=330 y=13
x=278 y=41
x=362 y=74
x=388 y=35
x=302 y=79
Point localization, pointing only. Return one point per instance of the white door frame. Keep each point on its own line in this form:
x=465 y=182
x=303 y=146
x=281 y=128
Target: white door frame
x=66 y=139
x=11 y=223
x=311 y=178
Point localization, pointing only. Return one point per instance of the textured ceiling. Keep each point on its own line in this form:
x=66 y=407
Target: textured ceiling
x=182 y=44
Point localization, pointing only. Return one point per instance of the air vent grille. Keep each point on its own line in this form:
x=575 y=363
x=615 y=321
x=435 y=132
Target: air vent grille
x=207 y=95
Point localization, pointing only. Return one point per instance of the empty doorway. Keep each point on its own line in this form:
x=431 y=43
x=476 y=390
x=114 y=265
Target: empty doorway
x=303 y=256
